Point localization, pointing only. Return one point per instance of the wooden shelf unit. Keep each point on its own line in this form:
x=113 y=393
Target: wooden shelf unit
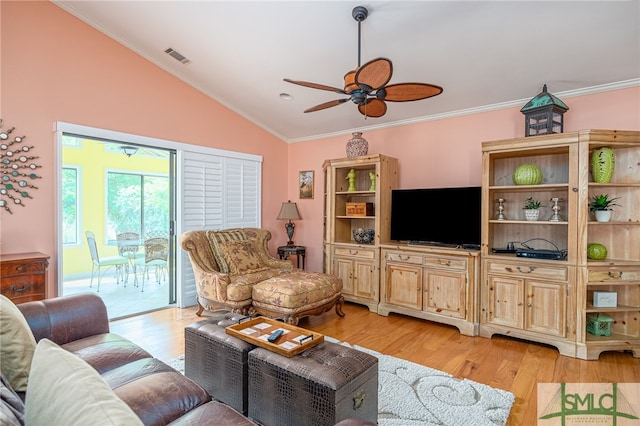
x=357 y=264
x=511 y=293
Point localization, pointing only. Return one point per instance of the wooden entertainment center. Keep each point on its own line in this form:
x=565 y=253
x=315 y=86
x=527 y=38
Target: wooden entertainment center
x=434 y=283
x=481 y=292
x=437 y=284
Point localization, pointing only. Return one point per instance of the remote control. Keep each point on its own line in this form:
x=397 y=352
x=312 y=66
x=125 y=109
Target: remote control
x=274 y=336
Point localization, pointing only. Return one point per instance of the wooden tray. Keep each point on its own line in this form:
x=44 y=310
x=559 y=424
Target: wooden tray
x=292 y=342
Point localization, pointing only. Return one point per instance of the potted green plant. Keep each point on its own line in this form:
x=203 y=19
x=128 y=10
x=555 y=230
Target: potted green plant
x=532 y=209
x=601 y=205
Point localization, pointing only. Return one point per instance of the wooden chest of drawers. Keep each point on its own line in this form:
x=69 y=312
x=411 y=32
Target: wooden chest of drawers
x=23 y=276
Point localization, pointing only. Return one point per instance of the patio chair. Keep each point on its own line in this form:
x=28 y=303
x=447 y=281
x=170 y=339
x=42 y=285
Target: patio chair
x=129 y=246
x=120 y=263
x=156 y=255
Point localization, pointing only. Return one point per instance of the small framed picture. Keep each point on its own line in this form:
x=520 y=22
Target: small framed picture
x=306 y=184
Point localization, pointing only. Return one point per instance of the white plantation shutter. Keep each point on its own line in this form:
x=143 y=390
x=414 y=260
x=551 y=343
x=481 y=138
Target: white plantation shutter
x=202 y=192
x=218 y=190
x=242 y=200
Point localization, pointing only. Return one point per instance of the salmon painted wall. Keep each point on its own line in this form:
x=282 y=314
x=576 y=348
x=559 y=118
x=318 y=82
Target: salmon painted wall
x=444 y=152
x=57 y=68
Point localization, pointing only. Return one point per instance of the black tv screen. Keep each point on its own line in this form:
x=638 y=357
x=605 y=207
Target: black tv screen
x=443 y=216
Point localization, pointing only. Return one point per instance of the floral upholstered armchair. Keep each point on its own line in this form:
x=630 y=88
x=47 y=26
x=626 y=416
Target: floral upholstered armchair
x=228 y=263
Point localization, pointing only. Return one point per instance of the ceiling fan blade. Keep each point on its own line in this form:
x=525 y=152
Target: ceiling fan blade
x=373 y=108
x=326 y=105
x=316 y=86
x=403 y=92
x=375 y=73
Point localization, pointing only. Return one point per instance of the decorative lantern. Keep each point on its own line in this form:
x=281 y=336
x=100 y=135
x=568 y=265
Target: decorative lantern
x=543 y=114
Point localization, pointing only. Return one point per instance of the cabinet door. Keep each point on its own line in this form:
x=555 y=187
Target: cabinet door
x=364 y=279
x=445 y=293
x=546 y=307
x=506 y=301
x=343 y=268
x=404 y=286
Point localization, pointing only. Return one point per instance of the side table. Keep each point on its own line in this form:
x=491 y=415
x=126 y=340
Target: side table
x=24 y=276
x=286 y=251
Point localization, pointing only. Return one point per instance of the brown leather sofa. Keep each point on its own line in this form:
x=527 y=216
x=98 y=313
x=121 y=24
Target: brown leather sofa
x=157 y=393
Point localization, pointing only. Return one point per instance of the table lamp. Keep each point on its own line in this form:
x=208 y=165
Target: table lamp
x=289 y=211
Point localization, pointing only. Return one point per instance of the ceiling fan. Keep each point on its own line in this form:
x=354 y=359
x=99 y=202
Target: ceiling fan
x=366 y=86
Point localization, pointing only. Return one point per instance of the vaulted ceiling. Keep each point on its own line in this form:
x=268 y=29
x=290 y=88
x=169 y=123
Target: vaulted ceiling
x=485 y=54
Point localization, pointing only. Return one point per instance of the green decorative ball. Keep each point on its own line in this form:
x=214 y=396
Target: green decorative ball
x=527 y=174
x=603 y=162
x=596 y=252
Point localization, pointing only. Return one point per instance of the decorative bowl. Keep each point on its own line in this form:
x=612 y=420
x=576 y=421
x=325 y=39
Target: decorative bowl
x=363 y=236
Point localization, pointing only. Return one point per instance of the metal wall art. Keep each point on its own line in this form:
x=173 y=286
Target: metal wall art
x=18 y=170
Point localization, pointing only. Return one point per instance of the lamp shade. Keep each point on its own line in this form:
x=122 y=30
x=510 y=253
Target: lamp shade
x=289 y=211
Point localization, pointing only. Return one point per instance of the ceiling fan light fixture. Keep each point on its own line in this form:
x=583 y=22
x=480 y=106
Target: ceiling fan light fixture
x=350 y=81
x=129 y=150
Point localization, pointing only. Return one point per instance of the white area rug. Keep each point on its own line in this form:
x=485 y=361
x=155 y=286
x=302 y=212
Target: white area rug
x=414 y=395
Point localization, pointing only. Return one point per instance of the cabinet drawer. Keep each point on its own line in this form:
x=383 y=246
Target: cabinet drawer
x=446 y=262
x=354 y=252
x=20 y=268
x=613 y=275
x=404 y=258
x=528 y=270
x=19 y=287
x=427 y=260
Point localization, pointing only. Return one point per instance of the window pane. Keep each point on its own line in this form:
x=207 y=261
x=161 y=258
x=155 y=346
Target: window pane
x=124 y=195
x=156 y=206
x=137 y=203
x=69 y=205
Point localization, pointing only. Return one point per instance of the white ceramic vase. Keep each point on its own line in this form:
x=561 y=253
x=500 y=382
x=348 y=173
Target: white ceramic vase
x=532 y=214
x=603 y=215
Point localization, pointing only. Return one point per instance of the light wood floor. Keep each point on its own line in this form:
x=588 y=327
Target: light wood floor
x=501 y=362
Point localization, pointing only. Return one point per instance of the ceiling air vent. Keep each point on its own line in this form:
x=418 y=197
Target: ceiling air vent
x=177 y=56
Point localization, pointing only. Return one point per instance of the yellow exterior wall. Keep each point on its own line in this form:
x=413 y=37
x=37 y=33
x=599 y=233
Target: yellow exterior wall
x=93 y=161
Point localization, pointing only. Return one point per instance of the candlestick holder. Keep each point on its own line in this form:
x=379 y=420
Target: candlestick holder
x=555 y=216
x=500 y=209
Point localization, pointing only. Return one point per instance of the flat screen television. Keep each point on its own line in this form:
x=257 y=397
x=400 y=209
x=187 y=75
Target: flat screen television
x=441 y=216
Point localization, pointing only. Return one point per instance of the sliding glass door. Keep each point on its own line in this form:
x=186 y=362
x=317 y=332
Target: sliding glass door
x=112 y=183
x=109 y=193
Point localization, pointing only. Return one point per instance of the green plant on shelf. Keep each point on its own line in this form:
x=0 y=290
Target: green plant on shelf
x=531 y=204
x=601 y=202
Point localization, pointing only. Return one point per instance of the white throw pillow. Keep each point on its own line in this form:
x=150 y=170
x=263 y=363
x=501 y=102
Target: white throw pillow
x=17 y=345
x=65 y=390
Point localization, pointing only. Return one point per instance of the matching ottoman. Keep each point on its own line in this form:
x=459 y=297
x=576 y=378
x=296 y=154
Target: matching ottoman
x=321 y=386
x=290 y=297
x=218 y=361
